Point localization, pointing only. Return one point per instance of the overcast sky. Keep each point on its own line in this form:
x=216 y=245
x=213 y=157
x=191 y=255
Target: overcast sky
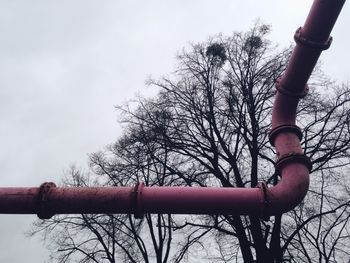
x=64 y=65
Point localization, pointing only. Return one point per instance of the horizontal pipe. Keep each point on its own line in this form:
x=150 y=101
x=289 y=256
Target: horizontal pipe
x=68 y=200
x=141 y=200
x=157 y=200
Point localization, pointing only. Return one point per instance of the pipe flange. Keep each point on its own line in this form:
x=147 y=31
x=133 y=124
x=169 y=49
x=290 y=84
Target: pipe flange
x=284 y=128
x=293 y=158
x=309 y=43
x=136 y=200
x=284 y=91
x=266 y=202
x=43 y=197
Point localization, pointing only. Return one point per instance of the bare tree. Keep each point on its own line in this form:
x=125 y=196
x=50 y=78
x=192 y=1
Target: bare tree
x=208 y=126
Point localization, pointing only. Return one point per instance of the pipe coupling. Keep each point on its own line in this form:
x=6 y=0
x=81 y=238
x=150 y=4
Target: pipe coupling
x=266 y=202
x=301 y=40
x=284 y=128
x=293 y=158
x=137 y=200
x=299 y=95
x=43 y=196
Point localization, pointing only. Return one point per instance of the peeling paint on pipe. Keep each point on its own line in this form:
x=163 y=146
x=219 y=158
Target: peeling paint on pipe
x=311 y=39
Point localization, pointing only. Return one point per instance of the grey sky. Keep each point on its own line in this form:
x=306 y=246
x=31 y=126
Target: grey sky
x=64 y=65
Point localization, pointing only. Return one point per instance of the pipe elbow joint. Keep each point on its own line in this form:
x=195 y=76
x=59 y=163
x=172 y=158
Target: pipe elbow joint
x=290 y=191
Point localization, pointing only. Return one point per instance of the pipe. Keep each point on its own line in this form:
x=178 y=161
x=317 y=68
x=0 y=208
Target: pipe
x=294 y=167
x=311 y=40
x=48 y=200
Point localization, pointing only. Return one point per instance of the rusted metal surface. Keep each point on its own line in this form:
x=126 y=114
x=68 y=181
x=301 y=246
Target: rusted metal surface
x=311 y=39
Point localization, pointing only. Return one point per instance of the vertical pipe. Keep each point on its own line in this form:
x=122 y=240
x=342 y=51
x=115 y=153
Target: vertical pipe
x=311 y=40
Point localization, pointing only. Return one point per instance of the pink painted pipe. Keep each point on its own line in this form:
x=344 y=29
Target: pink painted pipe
x=311 y=39
x=156 y=200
